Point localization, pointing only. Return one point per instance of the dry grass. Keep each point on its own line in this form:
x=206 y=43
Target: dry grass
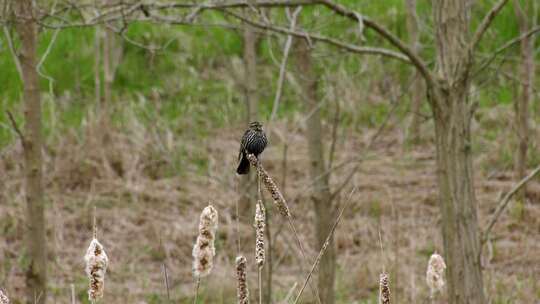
x=150 y=217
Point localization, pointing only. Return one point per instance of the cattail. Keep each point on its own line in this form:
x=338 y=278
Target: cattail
x=260 y=223
x=241 y=276
x=96 y=267
x=3 y=298
x=384 y=289
x=271 y=186
x=204 y=250
x=435 y=273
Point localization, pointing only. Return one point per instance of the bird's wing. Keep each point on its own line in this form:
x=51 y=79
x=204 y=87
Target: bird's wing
x=243 y=144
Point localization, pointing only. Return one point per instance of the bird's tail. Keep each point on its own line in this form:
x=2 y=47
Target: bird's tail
x=243 y=167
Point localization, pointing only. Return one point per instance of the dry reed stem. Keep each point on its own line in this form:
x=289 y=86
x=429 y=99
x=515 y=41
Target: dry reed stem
x=96 y=268
x=270 y=185
x=241 y=277
x=260 y=224
x=435 y=273
x=384 y=289
x=324 y=247
x=3 y=298
x=204 y=250
x=283 y=208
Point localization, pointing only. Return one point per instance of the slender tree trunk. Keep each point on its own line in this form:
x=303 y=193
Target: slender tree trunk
x=417 y=85
x=107 y=67
x=321 y=197
x=247 y=183
x=525 y=93
x=36 y=273
x=452 y=113
x=97 y=65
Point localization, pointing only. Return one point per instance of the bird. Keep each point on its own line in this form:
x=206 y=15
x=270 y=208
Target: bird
x=253 y=142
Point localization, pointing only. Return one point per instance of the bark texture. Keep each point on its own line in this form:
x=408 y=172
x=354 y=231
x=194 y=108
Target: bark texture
x=526 y=94
x=452 y=113
x=36 y=273
x=322 y=202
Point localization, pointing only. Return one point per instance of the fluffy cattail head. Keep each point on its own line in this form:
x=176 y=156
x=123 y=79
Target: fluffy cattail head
x=384 y=289
x=96 y=267
x=242 y=291
x=260 y=223
x=435 y=273
x=204 y=250
x=270 y=185
x=3 y=298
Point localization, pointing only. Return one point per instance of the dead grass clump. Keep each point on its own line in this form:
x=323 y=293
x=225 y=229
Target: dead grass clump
x=96 y=267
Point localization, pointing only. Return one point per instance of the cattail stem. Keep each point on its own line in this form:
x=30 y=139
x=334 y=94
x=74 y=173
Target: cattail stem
x=283 y=208
x=260 y=284
x=197 y=284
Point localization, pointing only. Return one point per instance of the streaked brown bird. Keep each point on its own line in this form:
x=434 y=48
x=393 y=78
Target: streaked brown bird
x=253 y=142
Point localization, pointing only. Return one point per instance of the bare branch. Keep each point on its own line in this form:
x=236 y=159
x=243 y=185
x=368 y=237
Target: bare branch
x=391 y=38
x=283 y=65
x=13 y=52
x=486 y=22
x=505 y=200
x=506 y=46
x=342 y=45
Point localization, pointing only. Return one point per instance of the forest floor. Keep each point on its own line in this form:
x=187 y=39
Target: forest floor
x=149 y=187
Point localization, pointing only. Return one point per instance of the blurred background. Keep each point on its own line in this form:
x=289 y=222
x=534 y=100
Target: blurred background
x=143 y=120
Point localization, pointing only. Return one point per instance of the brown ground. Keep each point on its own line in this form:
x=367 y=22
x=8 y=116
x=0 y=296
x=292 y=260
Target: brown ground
x=148 y=204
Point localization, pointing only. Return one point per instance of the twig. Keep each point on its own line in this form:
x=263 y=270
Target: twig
x=325 y=245
x=309 y=36
x=166 y=281
x=283 y=65
x=16 y=128
x=486 y=22
x=504 y=47
x=42 y=60
x=504 y=202
x=13 y=52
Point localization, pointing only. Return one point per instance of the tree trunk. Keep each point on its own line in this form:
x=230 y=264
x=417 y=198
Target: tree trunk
x=107 y=67
x=417 y=85
x=525 y=93
x=452 y=112
x=36 y=274
x=247 y=182
x=321 y=191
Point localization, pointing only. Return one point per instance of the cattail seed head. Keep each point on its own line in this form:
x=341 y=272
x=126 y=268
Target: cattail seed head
x=96 y=267
x=270 y=185
x=242 y=291
x=204 y=250
x=3 y=298
x=384 y=289
x=435 y=273
x=260 y=224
